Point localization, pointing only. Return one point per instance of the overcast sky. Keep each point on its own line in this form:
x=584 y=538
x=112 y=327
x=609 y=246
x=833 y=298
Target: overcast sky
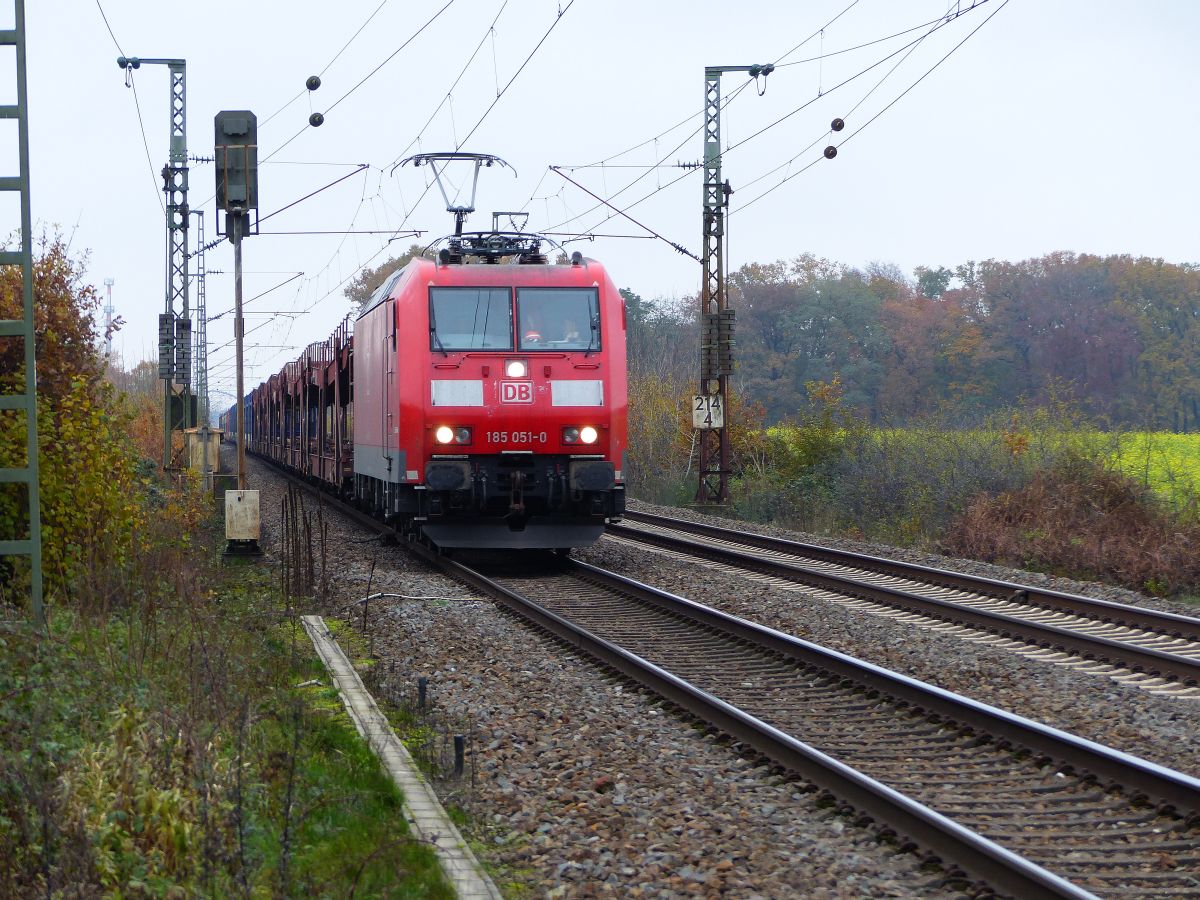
x=1059 y=125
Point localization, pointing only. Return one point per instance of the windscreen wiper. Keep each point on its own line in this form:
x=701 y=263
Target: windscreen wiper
x=433 y=332
x=595 y=326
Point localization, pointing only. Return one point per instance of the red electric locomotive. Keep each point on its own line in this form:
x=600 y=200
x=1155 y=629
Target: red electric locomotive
x=480 y=401
x=489 y=396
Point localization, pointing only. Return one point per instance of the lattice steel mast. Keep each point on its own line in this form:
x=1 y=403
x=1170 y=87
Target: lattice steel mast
x=716 y=318
x=200 y=353
x=174 y=331
x=23 y=328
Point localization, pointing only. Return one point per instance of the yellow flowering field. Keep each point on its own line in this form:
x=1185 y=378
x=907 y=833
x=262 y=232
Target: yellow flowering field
x=1169 y=463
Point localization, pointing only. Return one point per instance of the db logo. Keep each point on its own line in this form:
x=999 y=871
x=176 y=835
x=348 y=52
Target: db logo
x=516 y=392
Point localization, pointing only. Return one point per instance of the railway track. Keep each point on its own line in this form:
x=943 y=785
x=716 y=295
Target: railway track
x=1019 y=807
x=1026 y=809
x=1156 y=651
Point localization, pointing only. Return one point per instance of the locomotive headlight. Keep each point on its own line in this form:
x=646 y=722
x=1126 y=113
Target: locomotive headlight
x=516 y=368
x=570 y=435
x=462 y=435
x=588 y=434
x=444 y=434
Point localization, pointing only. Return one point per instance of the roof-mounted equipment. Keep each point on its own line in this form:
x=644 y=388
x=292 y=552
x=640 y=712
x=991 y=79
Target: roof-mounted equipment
x=432 y=159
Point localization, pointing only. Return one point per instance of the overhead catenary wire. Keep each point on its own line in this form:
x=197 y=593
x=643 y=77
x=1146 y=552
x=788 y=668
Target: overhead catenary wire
x=362 y=168
x=411 y=232
x=446 y=98
x=365 y=78
x=817 y=33
x=521 y=68
x=832 y=53
x=941 y=24
x=269 y=290
x=692 y=116
x=911 y=48
x=892 y=103
x=928 y=72
x=940 y=21
x=345 y=46
x=400 y=229
x=137 y=106
x=621 y=212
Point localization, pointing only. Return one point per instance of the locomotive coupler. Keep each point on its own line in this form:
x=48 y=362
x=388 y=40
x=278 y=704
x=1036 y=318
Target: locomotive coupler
x=479 y=489
x=516 y=505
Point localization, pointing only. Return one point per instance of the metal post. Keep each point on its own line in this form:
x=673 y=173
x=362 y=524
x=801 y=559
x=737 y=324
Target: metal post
x=108 y=318
x=200 y=353
x=716 y=318
x=235 y=234
x=24 y=328
x=713 y=470
x=174 y=332
x=200 y=332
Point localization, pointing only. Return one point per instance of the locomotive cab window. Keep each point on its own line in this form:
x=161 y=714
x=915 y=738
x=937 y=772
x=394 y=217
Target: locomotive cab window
x=558 y=318
x=469 y=319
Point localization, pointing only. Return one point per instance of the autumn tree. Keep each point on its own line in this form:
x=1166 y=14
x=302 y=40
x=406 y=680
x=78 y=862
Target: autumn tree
x=65 y=338
x=803 y=321
x=361 y=288
x=86 y=466
x=661 y=335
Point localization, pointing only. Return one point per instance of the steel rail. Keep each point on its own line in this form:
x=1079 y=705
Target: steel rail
x=1170 y=789
x=957 y=846
x=1139 y=659
x=1173 y=624
x=975 y=854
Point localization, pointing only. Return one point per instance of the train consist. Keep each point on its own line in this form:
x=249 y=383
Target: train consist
x=479 y=400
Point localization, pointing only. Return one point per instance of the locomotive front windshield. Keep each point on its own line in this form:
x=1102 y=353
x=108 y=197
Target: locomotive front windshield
x=470 y=319
x=558 y=318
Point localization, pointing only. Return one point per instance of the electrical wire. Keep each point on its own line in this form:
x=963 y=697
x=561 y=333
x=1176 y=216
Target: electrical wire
x=109 y=27
x=937 y=24
x=364 y=79
x=145 y=143
x=816 y=33
x=893 y=102
x=941 y=24
x=269 y=290
x=622 y=212
x=928 y=72
x=400 y=229
x=491 y=30
x=645 y=174
x=553 y=25
x=411 y=232
x=301 y=162
x=691 y=117
x=944 y=19
x=327 y=65
x=881 y=40
x=362 y=168
x=390 y=57
x=137 y=106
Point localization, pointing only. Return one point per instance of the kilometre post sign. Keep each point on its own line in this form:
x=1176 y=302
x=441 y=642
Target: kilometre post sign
x=708 y=411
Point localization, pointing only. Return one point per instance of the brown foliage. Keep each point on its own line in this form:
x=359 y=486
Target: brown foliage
x=1082 y=521
x=64 y=320
x=361 y=288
